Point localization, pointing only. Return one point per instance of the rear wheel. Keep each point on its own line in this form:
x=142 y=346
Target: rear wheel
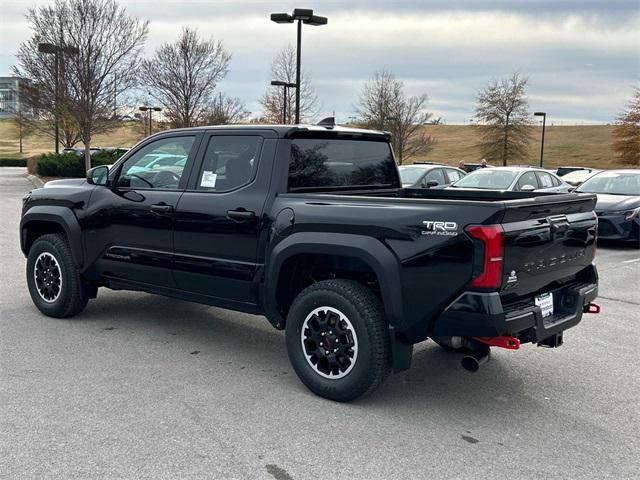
x=55 y=284
x=338 y=340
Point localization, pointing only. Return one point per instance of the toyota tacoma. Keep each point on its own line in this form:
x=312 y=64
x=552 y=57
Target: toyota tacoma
x=310 y=227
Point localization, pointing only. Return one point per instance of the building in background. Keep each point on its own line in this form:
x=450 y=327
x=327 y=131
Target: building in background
x=9 y=96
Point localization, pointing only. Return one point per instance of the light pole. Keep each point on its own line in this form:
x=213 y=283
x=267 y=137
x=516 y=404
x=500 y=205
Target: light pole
x=150 y=109
x=544 y=121
x=306 y=16
x=285 y=86
x=57 y=52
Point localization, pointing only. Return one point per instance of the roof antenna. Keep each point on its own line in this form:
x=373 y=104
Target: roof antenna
x=328 y=122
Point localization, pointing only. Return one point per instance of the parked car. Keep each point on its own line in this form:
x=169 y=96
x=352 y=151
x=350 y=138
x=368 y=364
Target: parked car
x=422 y=175
x=80 y=151
x=310 y=227
x=618 y=206
x=577 y=177
x=562 y=171
x=514 y=179
x=471 y=167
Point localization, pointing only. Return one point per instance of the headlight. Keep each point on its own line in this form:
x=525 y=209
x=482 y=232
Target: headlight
x=631 y=214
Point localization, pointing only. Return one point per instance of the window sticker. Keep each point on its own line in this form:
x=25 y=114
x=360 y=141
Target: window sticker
x=208 y=179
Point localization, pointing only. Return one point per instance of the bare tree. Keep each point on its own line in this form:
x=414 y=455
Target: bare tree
x=626 y=134
x=383 y=105
x=109 y=43
x=183 y=75
x=227 y=111
x=503 y=119
x=283 y=68
x=37 y=90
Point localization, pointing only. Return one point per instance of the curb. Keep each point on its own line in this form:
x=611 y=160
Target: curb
x=35 y=180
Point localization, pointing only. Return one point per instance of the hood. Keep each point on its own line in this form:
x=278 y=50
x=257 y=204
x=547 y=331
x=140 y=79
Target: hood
x=608 y=202
x=67 y=182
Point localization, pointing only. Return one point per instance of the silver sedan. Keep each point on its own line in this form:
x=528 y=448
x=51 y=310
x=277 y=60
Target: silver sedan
x=515 y=179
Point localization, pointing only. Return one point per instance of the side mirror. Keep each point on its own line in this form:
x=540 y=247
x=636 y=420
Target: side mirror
x=527 y=188
x=431 y=183
x=98 y=175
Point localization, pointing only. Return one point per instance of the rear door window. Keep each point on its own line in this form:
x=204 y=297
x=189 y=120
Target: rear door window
x=454 y=175
x=545 y=180
x=435 y=175
x=325 y=163
x=229 y=162
x=528 y=178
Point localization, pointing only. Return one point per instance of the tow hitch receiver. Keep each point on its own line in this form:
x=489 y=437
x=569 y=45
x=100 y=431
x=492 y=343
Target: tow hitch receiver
x=504 y=341
x=592 y=308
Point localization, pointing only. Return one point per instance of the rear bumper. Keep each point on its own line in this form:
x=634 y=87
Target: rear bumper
x=484 y=315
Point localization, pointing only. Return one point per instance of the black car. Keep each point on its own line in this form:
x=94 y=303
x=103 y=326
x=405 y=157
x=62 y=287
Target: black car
x=618 y=206
x=427 y=175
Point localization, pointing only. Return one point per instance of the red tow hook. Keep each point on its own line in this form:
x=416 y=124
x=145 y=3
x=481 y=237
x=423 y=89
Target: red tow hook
x=503 y=341
x=592 y=308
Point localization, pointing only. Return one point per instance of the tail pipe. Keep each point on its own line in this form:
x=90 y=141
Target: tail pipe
x=478 y=356
x=481 y=350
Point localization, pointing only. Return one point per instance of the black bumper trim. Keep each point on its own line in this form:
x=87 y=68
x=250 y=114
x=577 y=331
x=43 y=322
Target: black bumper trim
x=482 y=314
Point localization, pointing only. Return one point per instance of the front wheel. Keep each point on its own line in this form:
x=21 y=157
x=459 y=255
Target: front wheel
x=338 y=340
x=54 y=282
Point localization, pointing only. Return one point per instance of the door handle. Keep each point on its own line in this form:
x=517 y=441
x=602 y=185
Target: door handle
x=241 y=214
x=161 y=208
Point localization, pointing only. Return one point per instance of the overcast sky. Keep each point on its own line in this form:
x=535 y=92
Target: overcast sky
x=582 y=57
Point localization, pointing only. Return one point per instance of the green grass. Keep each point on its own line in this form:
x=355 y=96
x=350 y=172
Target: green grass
x=564 y=145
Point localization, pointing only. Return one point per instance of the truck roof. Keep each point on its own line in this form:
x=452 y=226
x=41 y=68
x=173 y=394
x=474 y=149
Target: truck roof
x=289 y=131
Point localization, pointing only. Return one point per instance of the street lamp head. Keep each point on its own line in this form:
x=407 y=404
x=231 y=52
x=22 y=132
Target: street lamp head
x=281 y=18
x=540 y=114
x=278 y=83
x=291 y=85
x=302 y=14
x=47 y=48
x=71 y=50
x=316 y=21
x=157 y=109
x=144 y=109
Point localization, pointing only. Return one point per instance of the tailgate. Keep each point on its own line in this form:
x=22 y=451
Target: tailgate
x=546 y=239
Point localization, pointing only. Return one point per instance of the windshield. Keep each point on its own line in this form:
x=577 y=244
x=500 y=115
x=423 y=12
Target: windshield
x=489 y=179
x=410 y=174
x=614 y=183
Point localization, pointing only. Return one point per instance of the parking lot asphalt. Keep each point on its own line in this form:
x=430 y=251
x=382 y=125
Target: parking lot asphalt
x=141 y=386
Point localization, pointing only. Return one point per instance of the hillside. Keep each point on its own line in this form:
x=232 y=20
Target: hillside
x=588 y=145
x=564 y=145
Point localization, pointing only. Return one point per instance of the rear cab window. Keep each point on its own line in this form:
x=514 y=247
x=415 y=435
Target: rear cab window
x=341 y=164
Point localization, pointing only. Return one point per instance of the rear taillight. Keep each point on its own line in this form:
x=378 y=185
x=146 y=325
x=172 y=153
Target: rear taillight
x=491 y=237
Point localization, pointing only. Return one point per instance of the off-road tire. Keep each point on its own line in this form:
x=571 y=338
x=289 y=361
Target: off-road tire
x=365 y=314
x=71 y=299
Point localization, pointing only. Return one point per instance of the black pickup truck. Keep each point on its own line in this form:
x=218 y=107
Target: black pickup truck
x=310 y=227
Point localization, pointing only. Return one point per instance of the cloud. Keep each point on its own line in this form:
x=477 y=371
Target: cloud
x=581 y=56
